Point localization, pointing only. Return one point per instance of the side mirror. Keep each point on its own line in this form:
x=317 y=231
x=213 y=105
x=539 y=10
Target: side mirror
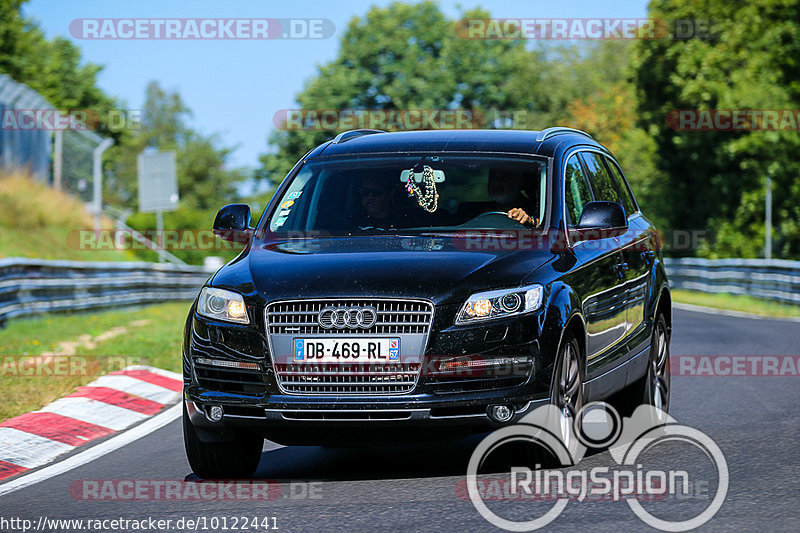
x=232 y=223
x=600 y=220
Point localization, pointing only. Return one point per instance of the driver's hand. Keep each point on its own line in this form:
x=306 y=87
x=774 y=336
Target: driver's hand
x=520 y=216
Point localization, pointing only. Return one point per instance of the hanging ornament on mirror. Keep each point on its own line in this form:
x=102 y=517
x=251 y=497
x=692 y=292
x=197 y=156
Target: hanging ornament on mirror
x=427 y=199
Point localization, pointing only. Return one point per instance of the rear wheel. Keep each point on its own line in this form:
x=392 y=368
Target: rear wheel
x=221 y=460
x=658 y=377
x=654 y=387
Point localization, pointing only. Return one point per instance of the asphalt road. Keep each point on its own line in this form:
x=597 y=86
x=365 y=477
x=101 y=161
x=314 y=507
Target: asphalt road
x=753 y=420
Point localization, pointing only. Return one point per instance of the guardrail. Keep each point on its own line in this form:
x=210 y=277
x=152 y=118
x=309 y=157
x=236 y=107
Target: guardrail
x=772 y=279
x=32 y=286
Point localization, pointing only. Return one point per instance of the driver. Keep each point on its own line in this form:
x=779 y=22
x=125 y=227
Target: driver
x=505 y=188
x=376 y=204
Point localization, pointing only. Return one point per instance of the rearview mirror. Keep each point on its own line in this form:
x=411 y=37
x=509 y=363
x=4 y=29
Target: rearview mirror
x=600 y=220
x=232 y=223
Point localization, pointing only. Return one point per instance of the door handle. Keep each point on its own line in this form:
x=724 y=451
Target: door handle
x=620 y=269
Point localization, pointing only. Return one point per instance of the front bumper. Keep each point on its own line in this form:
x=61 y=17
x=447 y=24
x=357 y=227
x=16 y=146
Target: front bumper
x=450 y=405
x=330 y=422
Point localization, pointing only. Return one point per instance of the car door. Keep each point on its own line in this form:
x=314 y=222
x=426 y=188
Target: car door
x=638 y=254
x=595 y=278
x=606 y=314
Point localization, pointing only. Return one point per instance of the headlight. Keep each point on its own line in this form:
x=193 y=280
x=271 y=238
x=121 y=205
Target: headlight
x=222 y=305
x=500 y=304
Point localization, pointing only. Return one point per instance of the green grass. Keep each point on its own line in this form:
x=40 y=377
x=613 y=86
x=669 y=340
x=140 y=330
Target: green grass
x=735 y=302
x=156 y=343
x=38 y=221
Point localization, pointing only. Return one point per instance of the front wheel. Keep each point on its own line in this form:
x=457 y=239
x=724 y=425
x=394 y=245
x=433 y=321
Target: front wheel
x=221 y=460
x=567 y=400
x=567 y=393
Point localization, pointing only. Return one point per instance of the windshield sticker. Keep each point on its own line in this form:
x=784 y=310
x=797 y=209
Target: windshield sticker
x=284 y=213
x=287 y=204
x=280 y=222
x=294 y=195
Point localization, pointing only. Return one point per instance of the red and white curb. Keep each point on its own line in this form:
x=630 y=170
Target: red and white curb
x=108 y=404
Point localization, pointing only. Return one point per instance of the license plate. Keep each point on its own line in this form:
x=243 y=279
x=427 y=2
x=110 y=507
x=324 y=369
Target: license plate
x=346 y=350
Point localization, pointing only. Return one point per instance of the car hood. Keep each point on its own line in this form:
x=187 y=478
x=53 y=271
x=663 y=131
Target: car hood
x=439 y=269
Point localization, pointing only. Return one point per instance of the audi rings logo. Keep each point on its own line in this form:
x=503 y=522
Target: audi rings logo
x=347 y=317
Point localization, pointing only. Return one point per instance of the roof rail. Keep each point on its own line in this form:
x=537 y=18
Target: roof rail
x=352 y=134
x=558 y=130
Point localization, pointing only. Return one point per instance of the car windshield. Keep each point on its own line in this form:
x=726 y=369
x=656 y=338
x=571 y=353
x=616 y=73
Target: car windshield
x=446 y=193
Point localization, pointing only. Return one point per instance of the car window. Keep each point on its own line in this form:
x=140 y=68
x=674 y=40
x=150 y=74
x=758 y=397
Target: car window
x=602 y=185
x=628 y=201
x=372 y=194
x=576 y=191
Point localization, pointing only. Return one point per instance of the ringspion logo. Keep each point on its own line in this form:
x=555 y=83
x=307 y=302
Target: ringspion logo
x=629 y=441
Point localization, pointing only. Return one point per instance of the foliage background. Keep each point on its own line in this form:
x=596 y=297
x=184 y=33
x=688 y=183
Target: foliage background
x=409 y=56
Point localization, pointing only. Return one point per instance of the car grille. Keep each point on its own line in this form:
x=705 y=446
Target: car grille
x=394 y=316
x=348 y=379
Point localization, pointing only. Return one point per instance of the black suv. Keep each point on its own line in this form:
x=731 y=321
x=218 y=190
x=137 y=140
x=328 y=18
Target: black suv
x=425 y=284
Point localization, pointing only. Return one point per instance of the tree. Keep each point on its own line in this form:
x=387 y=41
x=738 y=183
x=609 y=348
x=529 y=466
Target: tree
x=715 y=180
x=402 y=57
x=52 y=68
x=204 y=180
x=409 y=57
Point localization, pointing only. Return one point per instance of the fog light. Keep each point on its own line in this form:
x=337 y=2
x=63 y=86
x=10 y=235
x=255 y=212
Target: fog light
x=214 y=413
x=501 y=413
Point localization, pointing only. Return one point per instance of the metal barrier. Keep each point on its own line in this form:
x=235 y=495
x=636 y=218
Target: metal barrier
x=32 y=286
x=772 y=279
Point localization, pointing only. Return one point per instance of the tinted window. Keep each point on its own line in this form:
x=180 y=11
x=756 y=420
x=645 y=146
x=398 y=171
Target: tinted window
x=627 y=197
x=576 y=191
x=370 y=194
x=602 y=185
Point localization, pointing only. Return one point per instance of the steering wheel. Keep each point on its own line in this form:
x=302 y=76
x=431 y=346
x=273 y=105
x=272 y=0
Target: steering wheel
x=493 y=220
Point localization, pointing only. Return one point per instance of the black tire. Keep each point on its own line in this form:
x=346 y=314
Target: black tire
x=568 y=396
x=221 y=460
x=654 y=387
x=567 y=390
